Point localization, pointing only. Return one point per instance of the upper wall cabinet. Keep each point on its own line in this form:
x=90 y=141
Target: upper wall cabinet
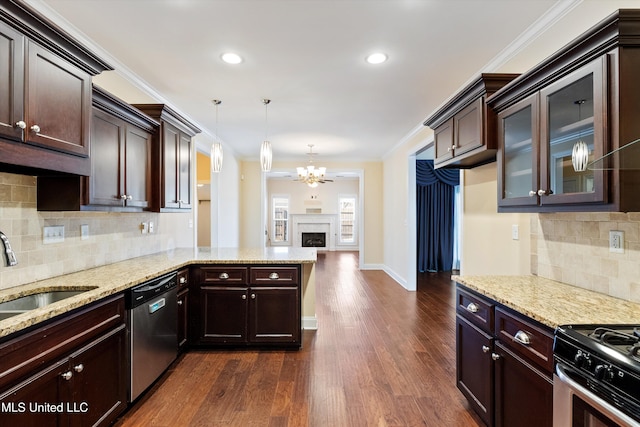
x=585 y=94
x=121 y=163
x=174 y=172
x=45 y=95
x=465 y=128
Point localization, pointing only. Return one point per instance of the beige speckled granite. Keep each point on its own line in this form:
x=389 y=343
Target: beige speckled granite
x=553 y=303
x=113 y=278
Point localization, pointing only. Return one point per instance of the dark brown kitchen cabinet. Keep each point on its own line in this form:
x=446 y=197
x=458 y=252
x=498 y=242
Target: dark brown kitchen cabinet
x=173 y=175
x=183 y=308
x=121 y=169
x=465 y=128
x=504 y=363
x=584 y=92
x=75 y=361
x=247 y=305
x=45 y=88
x=523 y=393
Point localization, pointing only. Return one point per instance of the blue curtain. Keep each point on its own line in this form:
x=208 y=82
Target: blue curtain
x=436 y=210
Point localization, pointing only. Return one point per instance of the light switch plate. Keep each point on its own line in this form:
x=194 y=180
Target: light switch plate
x=515 y=232
x=53 y=234
x=84 y=231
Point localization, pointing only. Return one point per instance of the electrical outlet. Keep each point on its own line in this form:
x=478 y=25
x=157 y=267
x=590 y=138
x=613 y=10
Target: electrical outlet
x=150 y=227
x=616 y=241
x=53 y=234
x=144 y=228
x=515 y=232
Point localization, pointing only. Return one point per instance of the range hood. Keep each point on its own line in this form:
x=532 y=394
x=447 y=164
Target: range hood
x=626 y=157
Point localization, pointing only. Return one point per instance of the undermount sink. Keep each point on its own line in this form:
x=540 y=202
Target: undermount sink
x=31 y=302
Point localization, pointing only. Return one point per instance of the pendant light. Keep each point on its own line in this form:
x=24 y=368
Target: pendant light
x=580 y=152
x=216 y=147
x=266 y=154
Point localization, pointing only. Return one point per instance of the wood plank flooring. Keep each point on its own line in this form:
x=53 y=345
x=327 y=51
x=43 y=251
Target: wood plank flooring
x=381 y=356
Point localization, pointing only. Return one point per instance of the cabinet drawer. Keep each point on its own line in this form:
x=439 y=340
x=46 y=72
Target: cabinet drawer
x=274 y=276
x=525 y=338
x=476 y=309
x=224 y=275
x=27 y=352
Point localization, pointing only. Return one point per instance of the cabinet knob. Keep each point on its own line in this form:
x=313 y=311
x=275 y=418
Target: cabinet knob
x=253 y=296
x=183 y=280
x=485 y=349
x=35 y=128
x=21 y=124
x=180 y=302
x=223 y=276
x=472 y=307
x=495 y=356
x=450 y=149
x=274 y=276
x=79 y=368
x=129 y=197
x=67 y=375
x=123 y=197
x=244 y=296
x=522 y=337
x=541 y=193
x=532 y=193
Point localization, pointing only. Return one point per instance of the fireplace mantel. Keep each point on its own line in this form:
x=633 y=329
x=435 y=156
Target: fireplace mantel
x=314 y=223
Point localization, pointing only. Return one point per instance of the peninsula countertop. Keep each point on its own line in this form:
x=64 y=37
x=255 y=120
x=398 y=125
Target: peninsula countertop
x=110 y=279
x=553 y=303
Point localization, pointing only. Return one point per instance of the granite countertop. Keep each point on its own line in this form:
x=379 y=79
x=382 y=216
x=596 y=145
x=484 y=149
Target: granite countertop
x=113 y=278
x=553 y=303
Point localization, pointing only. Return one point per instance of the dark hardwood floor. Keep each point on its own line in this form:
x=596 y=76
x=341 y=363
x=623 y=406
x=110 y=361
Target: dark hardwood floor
x=381 y=356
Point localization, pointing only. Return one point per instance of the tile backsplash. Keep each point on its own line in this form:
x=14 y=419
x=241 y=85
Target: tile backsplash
x=574 y=248
x=112 y=236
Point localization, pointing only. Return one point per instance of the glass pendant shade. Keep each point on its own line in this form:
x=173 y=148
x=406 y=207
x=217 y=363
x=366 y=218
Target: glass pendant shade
x=580 y=156
x=216 y=157
x=266 y=156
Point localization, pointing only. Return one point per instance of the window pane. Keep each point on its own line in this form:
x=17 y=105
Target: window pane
x=347 y=220
x=280 y=219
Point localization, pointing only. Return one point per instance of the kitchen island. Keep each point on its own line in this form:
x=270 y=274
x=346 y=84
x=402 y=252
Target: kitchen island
x=103 y=281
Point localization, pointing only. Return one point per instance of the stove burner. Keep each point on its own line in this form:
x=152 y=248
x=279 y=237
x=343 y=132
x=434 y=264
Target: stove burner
x=614 y=337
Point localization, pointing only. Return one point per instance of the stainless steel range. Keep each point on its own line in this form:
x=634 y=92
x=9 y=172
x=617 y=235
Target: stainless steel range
x=597 y=379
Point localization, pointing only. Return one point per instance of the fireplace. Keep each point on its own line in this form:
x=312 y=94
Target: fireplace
x=314 y=240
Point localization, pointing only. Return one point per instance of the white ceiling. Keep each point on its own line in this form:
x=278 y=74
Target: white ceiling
x=307 y=56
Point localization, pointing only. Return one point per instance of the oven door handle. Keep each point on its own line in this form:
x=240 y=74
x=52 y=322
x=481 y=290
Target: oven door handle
x=593 y=400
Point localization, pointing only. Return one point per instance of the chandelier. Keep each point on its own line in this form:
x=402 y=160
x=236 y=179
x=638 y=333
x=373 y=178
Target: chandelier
x=311 y=175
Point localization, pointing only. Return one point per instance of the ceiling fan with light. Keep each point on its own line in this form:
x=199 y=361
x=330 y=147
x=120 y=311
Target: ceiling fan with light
x=311 y=175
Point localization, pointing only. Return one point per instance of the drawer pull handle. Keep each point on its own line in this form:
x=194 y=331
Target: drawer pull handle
x=67 y=375
x=485 y=349
x=223 y=276
x=274 y=276
x=522 y=337
x=472 y=307
x=495 y=356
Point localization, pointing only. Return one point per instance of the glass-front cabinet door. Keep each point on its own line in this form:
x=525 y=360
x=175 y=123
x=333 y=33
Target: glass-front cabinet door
x=518 y=156
x=572 y=112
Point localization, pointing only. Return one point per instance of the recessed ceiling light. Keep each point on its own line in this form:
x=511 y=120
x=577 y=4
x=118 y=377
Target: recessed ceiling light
x=231 y=58
x=377 y=58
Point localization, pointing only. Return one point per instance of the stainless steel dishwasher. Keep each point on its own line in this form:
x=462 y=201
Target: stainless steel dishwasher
x=153 y=331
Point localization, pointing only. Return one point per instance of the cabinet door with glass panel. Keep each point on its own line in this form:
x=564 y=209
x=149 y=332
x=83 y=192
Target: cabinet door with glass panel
x=518 y=156
x=573 y=126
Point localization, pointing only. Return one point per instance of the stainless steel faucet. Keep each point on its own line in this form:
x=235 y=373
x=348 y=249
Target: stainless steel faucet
x=8 y=252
